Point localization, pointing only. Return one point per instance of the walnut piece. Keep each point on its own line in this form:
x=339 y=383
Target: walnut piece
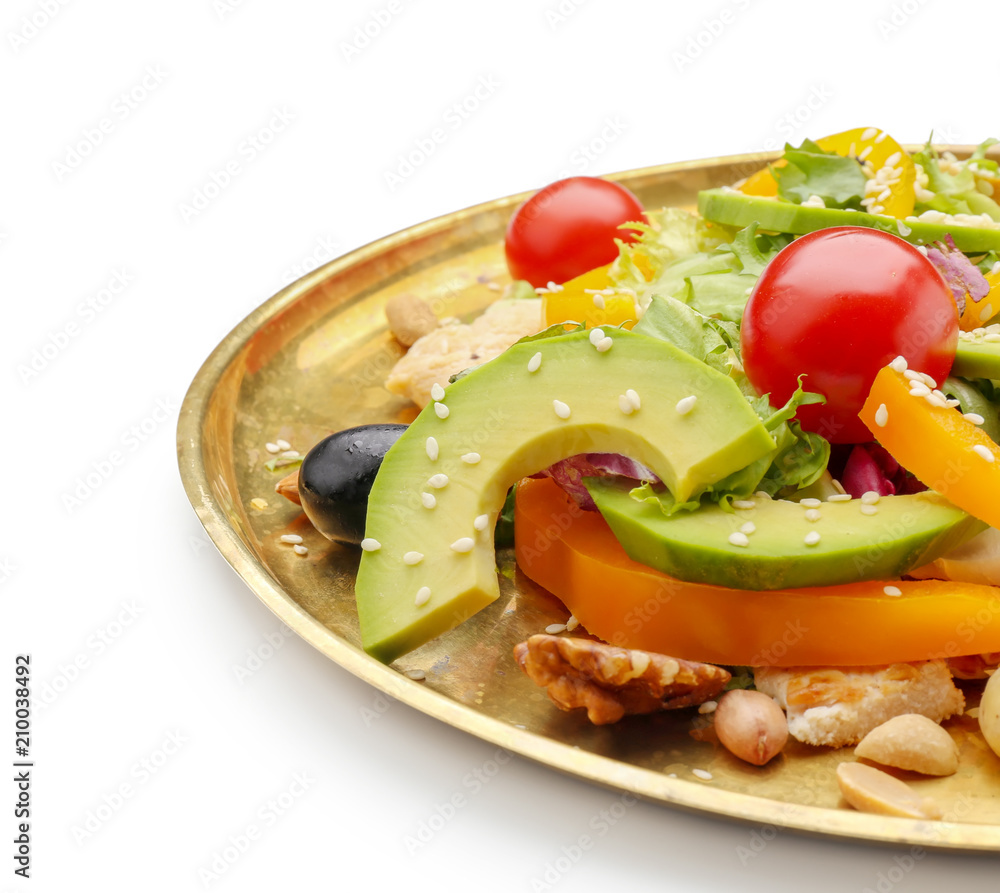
x=613 y=682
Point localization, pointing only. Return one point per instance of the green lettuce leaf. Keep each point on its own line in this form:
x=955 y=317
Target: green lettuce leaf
x=955 y=192
x=799 y=458
x=809 y=170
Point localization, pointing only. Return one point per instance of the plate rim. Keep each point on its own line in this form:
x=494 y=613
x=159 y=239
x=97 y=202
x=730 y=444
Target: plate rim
x=646 y=784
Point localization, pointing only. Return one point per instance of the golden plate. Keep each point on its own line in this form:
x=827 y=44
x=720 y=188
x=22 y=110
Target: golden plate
x=311 y=361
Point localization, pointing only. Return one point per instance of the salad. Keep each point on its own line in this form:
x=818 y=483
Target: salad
x=752 y=450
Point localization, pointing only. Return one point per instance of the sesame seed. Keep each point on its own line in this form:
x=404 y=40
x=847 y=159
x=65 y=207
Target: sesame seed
x=599 y=302
x=291 y=538
x=866 y=151
x=561 y=409
x=437 y=392
x=986 y=312
x=708 y=707
x=919 y=389
x=869 y=509
x=596 y=335
x=738 y=539
x=553 y=286
x=290 y=454
x=441 y=410
x=869 y=497
x=625 y=405
x=553 y=629
x=748 y=528
x=416 y=675
x=744 y=504
x=974 y=417
x=431 y=446
x=282 y=444
x=428 y=499
x=604 y=345
x=927 y=380
x=912 y=375
x=839 y=487
x=300 y=550
x=811 y=538
x=868 y=134
x=935 y=400
x=992 y=338
x=370 y=545
x=813 y=514
x=481 y=522
x=258 y=503
x=412 y=558
x=437 y=481
x=471 y=458
x=893 y=159
x=810 y=503
x=881 y=415
x=423 y=596
x=899 y=364
x=633 y=398
x=463 y=544
x=983 y=452
x=839 y=497
x=701 y=773
x=892 y=590
x=535 y=362
x=272 y=447
x=572 y=623
x=686 y=404
x=881 y=136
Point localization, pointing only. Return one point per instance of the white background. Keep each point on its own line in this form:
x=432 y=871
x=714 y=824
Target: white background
x=669 y=81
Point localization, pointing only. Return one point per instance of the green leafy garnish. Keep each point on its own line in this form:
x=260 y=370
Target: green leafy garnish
x=809 y=170
x=283 y=463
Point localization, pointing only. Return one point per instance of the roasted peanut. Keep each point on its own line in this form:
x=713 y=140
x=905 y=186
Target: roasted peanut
x=868 y=789
x=912 y=742
x=989 y=712
x=409 y=318
x=750 y=725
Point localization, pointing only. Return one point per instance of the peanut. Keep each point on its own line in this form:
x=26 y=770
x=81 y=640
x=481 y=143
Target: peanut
x=868 y=789
x=288 y=487
x=912 y=742
x=750 y=725
x=989 y=712
x=409 y=318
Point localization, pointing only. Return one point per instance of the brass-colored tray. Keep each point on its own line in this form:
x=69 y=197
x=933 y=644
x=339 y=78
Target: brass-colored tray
x=312 y=360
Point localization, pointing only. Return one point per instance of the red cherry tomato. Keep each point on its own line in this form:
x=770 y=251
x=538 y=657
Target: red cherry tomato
x=838 y=304
x=568 y=228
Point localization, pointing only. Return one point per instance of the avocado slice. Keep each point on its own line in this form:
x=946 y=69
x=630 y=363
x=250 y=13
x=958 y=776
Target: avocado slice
x=976 y=358
x=733 y=208
x=441 y=486
x=905 y=532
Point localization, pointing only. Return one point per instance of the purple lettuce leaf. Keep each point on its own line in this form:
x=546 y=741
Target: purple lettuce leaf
x=569 y=473
x=959 y=273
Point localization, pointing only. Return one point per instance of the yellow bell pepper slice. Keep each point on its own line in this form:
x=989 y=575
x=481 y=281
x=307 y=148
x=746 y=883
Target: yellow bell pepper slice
x=578 y=300
x=877 y=148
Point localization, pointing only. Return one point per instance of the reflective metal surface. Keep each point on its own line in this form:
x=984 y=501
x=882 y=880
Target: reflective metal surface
x=311 y=361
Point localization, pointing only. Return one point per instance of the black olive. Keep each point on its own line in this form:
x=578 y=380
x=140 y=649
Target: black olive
x=336 y=478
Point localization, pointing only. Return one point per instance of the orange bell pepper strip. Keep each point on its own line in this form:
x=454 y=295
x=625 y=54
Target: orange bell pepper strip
x=939 y=445
x=575 y=556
